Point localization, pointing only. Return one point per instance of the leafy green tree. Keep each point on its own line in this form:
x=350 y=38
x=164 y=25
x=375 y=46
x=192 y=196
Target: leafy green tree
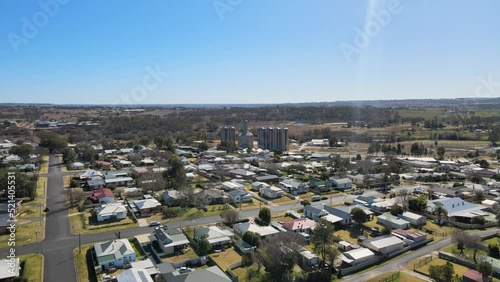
x=175 y=174
x=386 y=230
x=322 y=238
x=52 y=141
x=69 y=155
x=417 y=204
x=486 y=269
x=251 y=238
x=359 y=215
x=204 y=246
x=23 y=150
x=265 y=216
x=440 y=152
x=442 y=273
x=85 y=152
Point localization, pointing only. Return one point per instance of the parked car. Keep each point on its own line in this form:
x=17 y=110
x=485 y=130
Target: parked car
x=154 y=223
x=316 y=198
x=359 y=192
x=108 y=278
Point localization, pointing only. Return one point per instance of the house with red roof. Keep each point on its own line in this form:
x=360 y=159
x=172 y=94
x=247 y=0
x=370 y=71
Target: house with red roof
x=474 y=276
x=102 y=195
x=300 y=225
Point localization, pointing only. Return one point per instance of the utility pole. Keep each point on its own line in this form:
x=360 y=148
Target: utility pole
x=40 y=214
x=36 y=236
x=79 y=243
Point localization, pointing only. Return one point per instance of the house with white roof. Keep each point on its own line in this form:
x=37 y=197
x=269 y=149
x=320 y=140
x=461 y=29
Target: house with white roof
x=414 y=219
x=116 y=253
x=238 y=196
x=216 y=236
x=392 y=221
x=271 y=192
x=357 y=256
x=314 y=213
x=111 y=211
x=263 y=231
x=384 y=245
x=146 y=206
x=293 y=187
x=341 y=183
x=9 y=268
x=232 y=185
x=134 y=275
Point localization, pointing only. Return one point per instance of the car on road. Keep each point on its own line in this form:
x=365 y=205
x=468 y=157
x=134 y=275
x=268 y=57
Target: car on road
x=108 y=278
x=154 y=223
x=359 y=192
x=316 y=198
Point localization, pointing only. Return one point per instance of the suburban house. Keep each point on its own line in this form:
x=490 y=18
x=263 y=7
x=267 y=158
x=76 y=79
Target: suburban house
x=268 y=179
x=102 y=196
x=392 y=221
x=271 y=192
x=300 y=225
x=119 y=181
x=212 y=273
x=111 y=211
x=458 y=209
x=256 y=186
x=238 y=196
x=357 y=256
x=384 y=245
x=231 y=185
x=472 y=275
x=263 y=231
x=173 y=198
x=146 y=207
x=116 y=253
x=341 y=183
x=211 y=197
x=95 y=183
x=91 y=174
x=314 y=213
x=344 y=212
x=76 y=166
x=414 y=219
x=410 y=236
x=241 y=173
x=364 y=200
x=293 y=187
x=218 y=238
x=171 y=242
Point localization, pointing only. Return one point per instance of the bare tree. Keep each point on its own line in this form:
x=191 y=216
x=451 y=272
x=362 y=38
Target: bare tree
x=231 y=215
x=75 y=196
x=475 y=244
x=403 y=197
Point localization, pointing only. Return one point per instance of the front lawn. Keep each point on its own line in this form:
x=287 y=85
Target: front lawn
x=402 y=277
x=45 y=166
x=86 y=223
x=459 y=269
x=32 y=267
x=188 y=254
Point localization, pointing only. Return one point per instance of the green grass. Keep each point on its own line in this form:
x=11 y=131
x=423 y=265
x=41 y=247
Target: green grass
x=468 y=253
x=32 y=267
x=84 y=267
x=25 y=234
x=188 y=254
x=45 y=166
x=92 y=226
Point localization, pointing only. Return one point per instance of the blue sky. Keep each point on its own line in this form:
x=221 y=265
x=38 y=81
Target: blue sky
x=242 y=51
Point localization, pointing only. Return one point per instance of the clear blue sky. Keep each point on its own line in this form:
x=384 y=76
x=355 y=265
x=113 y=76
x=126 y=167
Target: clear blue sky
x=258 y=51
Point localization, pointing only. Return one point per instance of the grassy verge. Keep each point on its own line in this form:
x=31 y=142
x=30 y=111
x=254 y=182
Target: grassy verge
x=459 y=269
x=83 y=264
x=45 y=165
x=32 y=267
x=468 y=253
x=25 y=234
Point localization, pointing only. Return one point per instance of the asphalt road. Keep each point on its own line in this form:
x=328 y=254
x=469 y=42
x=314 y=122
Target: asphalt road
x=395 y=264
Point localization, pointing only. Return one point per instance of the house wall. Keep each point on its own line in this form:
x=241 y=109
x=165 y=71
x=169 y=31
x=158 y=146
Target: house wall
x=119 y=262
x=120 y=215
x=106 y=200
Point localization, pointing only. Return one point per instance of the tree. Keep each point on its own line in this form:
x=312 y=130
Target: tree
x=485 y=269
x=478 y=220
x=322 y=238
x=460 y=238
x=69 y=155
x=279 y=256
x=396 y=209
x=358 y=157
x=85 y=152
x=402 y=198
x=474 y=243
x=230 y=215
x=23 y=150
x=494 y=250
x=204 y=246
x=175 y=174
x=75 y=196
x=25 y=185
x=265 y=216
x=152 y=182
x=52 y=141
x=359 y=215
x=440 y=152
x=439 y=210
x=386 y=230
x=417 y=204
x=442 y=273
x=251 y=238
x=305 y=203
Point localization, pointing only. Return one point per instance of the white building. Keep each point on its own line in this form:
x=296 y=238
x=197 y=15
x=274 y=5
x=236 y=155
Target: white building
x=111 y=211
x=116 y=253
x=357 y=256
x=392 y=221
x=384 y=245
x=263 y=231
x=414 y=219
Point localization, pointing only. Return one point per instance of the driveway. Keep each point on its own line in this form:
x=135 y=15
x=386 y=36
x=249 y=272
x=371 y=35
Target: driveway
x=142 y=222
